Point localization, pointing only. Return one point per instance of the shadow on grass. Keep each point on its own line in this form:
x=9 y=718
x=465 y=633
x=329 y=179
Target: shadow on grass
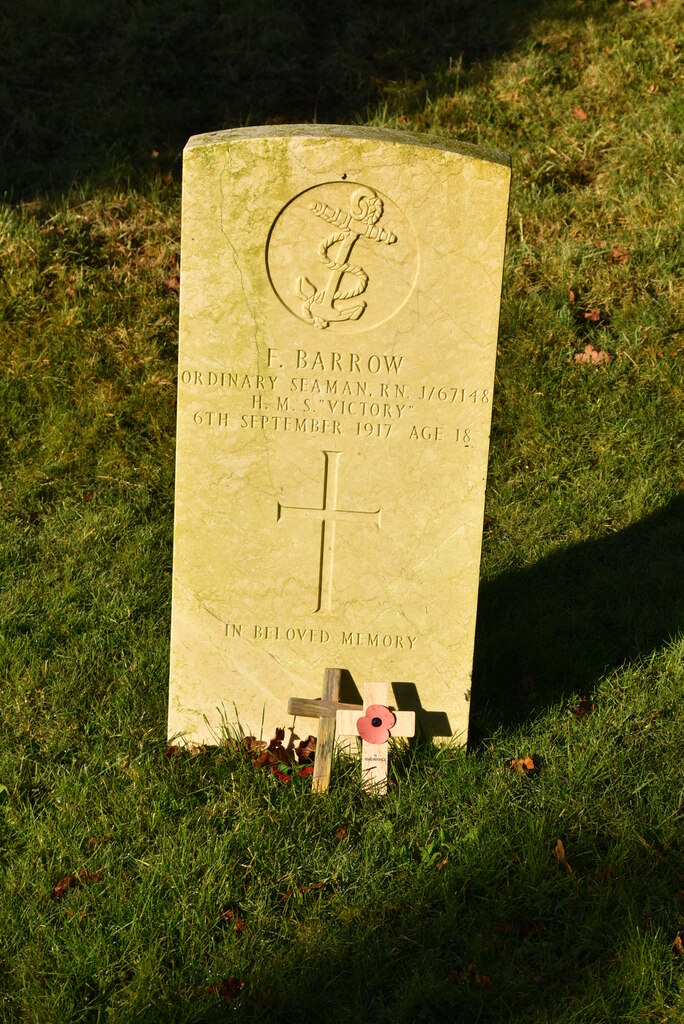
x=87 y=88
x=508 y=937
x=555 y=628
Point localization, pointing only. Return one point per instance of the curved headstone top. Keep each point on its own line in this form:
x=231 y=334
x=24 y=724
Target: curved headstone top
x=340 y=293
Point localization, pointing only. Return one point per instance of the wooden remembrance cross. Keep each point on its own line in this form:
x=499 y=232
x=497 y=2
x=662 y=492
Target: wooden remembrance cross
x=339 y=307
x=373 y=722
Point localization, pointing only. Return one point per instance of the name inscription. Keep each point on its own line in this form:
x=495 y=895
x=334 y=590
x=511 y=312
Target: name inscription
x=335 y=406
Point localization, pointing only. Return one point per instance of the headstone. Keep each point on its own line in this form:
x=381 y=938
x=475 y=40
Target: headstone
x=340 y=293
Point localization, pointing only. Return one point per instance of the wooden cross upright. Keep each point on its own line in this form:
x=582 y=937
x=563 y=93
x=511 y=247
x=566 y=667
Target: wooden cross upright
x=373 y=722
x=325 y=710
x=375 y=726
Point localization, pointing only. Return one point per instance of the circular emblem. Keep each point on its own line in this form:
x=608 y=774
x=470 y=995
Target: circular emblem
x=342 y=256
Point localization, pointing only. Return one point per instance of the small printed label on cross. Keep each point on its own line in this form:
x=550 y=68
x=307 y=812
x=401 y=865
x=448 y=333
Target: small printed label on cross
x=375 y=727
x=328 y=514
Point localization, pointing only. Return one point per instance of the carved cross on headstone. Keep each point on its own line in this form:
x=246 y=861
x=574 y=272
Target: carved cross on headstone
x=328 y=514
x=376 y=725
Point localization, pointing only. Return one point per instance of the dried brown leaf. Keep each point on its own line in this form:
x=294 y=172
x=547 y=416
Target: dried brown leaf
x=678 y=945
x=72 y=881
x=653 y=850
x=341 y=833
x=230 y=917
x=195 y=748
x=306 y=750
x=522 y=764
x=173 y=283
x=59 y=888
x=94 y=842
x=85 y=877
x=592 y=356
x=474 y=978
x=228 y=989
x=578 y=113
x=302 y=889
x=252 y=744
x=620 y=254
x=522 y=927
x=559 y=854
x=585 y=707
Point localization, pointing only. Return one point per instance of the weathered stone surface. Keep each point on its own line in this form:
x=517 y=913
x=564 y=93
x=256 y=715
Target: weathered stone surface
x=340 y=294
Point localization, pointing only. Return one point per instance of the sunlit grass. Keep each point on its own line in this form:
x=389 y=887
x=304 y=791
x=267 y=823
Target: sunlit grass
x=444 y=902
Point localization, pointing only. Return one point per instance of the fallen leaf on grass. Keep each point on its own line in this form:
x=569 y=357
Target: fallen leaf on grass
x=653 y=850
x=571 y=295
x=592 y=315
x=302 y=890
x=306 y=750
x=578 y=113
x=173 y=283
x=521 y=928
x=252 y=745
x=522 y=764
x=620 y=254
x=275 y=753
x=85 y=877
x=341 y=833
x=71 y=881
x=59 y=888
x=176 y=749
x=585 y=707
x=559 y=854
x=442 y=863
x=477 y=980
x=593 y=356
x=94 y=842
x=230 y=917
x=229 y=989
x=195 y=748
x=679 y=945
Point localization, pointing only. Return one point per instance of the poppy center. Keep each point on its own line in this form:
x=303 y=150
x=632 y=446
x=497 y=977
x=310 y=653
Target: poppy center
x=376 y=721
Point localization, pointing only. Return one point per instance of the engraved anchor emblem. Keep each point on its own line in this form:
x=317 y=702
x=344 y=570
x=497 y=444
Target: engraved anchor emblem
x=365 y=210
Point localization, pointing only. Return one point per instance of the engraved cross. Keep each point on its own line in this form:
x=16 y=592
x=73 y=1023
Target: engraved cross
x=329 y=515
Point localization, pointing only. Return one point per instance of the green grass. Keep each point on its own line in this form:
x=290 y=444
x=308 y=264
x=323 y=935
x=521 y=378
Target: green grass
x=444 y=902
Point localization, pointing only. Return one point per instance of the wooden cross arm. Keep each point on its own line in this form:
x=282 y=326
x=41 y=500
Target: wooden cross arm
x=404 y=726
x=316 y=708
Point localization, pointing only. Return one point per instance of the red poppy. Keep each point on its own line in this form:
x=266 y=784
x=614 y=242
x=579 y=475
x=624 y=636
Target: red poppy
x=376 y=723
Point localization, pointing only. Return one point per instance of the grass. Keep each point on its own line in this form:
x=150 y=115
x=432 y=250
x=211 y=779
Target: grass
x=445 y=902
